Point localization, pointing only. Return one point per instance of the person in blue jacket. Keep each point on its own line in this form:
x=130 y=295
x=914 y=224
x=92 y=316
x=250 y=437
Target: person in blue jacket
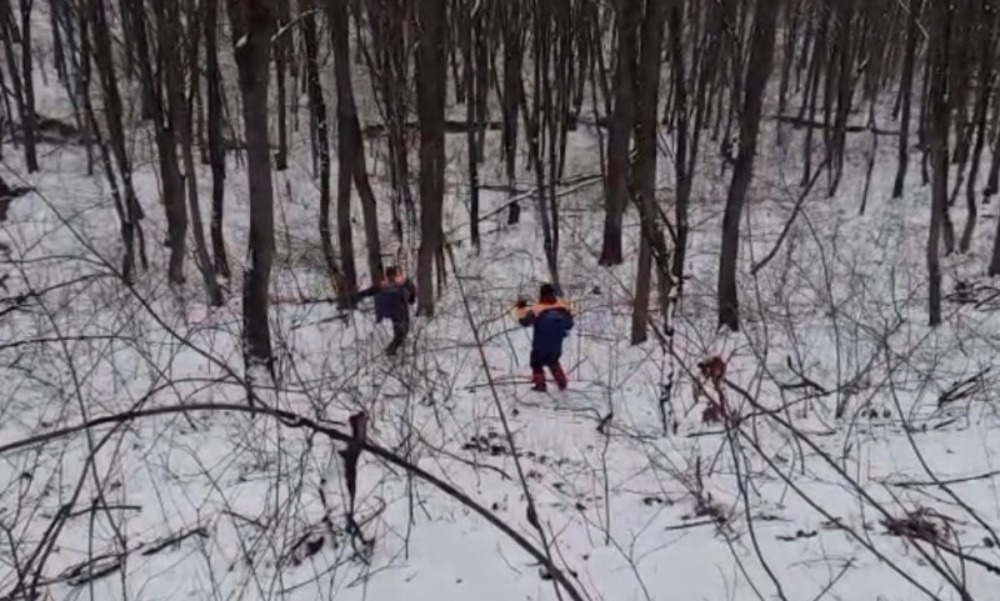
x=393 y=294
x=552 y=320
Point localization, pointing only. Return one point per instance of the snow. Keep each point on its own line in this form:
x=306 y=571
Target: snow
x=793 y=503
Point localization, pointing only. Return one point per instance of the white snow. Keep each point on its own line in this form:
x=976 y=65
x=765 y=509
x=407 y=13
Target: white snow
x=791 y=503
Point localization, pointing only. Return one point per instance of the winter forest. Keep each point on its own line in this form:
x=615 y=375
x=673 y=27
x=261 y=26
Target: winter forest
x=554 y=300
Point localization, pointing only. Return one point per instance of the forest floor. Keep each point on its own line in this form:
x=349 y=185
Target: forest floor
x=894 y=499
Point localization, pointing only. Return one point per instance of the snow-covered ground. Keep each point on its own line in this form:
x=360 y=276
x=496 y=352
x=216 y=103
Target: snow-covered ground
x=789 y=502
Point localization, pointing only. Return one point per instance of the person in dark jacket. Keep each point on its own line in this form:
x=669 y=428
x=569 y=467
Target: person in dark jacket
x=552 y=320
x=393 y=294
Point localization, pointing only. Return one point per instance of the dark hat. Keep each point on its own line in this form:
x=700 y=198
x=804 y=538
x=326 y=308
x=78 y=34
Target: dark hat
x=547 y=291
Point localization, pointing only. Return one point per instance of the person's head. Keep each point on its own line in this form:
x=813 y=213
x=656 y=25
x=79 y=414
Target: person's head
x=391 y=272
x=547 y=293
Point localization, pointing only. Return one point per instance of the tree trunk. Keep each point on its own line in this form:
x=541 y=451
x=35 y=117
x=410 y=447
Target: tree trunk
x=431 y=87
x=281 y=57
x=216 y=154
x=622 y=121
x=940 y=117
x=181 y=115
x=906 y=93
x=511 y=20
x=28 y=124
x=987 y=79
x=351 y=153
x=166 y=140
x=131 y=223
x=757 y=73
x=472 y=80
x=321 y=137
x=128 y=258
x=252 y=24
x=653 y=244
x=20 y=77
x=685 y=166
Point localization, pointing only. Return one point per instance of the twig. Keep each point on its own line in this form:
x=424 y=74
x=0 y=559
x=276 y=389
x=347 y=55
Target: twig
x=791 y=219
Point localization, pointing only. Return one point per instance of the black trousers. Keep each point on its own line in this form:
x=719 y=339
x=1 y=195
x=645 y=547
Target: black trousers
x=399 y=331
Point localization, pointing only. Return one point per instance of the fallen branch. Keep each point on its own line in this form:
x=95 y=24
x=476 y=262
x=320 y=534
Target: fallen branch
x=961 y=389
x=295 y=421
x=961 y=480
x=799 y=122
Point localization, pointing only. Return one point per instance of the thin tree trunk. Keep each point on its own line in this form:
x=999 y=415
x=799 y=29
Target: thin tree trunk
x=166 y=140
x=252 y=23
x=986 y=83
x=133 y=214
x=757 y=73
x=321 y=137
x=472 y=97
x=216 y=154
x=281 y=57
x=906 y=93
x=126 y=229
x=351 y=152
x=512 y=85
x=939 y=126
x=629 y=17
x=182 y=115
x=653 y=244
x=28 y=125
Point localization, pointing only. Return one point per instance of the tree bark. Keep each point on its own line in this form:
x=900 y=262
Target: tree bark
x=653 y=245
x=622 y=121
x=939 y=127
x=281 y=58
x=182 y=116
x=252 y=24
x=351 y=154
x=906 y=92
x=321 y=139
x=431 y=88
x=757 y=73
x=166 y=125
x=986 y=80
x=216 y=154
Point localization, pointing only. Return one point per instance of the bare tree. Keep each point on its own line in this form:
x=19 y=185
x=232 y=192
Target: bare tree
x=17 y=30
x=181 y=114
x=906 y=94
x=758 y=70
x=620 y=134
x=216 y=154
x=431 y=91
x=132 y=214
x=282 y=55
x=652 y=244
x=351 y=155
x=166 y=127
x=940 y=24
x=252 y=23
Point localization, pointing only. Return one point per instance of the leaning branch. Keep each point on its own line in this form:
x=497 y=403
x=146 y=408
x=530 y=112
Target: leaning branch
x=295 y=421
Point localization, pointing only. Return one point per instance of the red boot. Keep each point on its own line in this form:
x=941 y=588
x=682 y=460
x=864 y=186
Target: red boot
x=538 y=379
x=559 y=376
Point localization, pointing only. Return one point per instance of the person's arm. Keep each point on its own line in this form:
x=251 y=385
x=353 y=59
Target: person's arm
x=364 y=293
x=411 y=291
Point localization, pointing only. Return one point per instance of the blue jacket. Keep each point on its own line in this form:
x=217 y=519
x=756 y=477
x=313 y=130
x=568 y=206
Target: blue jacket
x=392 y=298
x=552 y=322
